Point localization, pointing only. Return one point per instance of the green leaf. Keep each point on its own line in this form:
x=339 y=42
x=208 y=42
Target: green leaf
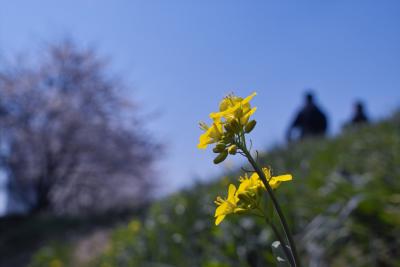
x=279 y=254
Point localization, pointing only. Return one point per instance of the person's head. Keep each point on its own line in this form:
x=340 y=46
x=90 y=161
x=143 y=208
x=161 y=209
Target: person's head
x=359 y=107
x=309 y=97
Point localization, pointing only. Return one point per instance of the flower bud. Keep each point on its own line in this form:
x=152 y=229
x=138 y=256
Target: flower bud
x=219 y=148
x=221 y=157
x=232 y=149
x=227 y=138
x=228 y=127
x=250 y=126
x=235 y=126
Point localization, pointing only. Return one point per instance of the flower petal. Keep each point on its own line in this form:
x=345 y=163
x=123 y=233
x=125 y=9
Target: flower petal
x=283 y=178
x=219 y=219
x=221 y=210
x=247 y=99
x=203 y=141
x=231 y=191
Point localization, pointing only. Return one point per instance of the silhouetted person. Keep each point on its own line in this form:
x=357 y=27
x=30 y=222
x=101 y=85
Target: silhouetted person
x=310 y=121
x=359 y=116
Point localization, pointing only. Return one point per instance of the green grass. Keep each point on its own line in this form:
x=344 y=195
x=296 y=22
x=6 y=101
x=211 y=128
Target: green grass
x=20 y=236
x=343 y=207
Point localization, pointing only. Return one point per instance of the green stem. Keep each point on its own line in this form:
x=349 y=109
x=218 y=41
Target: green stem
x=274 y=201
x=286 y=250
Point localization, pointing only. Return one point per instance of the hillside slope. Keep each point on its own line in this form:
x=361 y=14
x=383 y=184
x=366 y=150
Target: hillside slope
x=343 y=206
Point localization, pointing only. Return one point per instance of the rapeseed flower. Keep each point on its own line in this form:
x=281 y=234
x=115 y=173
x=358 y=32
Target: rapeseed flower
x=212 y=134
x=226 y=206
x=135 y=226
x=228 y=126
x=247 y=196
x=275 y=181
x=253 y=183
x=235 y=108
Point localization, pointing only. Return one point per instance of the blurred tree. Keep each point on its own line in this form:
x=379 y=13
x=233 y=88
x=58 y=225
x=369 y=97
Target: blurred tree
x=69 y=141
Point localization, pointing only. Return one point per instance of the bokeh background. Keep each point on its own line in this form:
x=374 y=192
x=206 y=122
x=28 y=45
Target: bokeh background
x=166 y=65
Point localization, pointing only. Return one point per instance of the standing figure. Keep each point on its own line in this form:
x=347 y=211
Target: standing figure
x=359 y=116
x=309 y=122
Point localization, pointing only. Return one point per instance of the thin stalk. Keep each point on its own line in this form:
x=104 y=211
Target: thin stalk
x=286 y=250
x=274 y=201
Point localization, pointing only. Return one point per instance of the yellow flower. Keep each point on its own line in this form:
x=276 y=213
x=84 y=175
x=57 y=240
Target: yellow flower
x=251 y=183
x=275 y=181
x=226 y=206
x=55 y=263
x=233 y=107
x=134 y=226
x=211 y=135
x=254 y=182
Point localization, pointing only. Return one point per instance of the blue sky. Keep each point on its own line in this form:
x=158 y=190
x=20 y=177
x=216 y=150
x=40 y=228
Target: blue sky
x=182 y=57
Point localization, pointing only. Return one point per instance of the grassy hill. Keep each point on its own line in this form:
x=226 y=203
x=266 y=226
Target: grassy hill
x=343 y=206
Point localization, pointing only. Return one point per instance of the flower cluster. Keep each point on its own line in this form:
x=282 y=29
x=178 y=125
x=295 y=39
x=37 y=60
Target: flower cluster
x=247 y=196
x=229 y=124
